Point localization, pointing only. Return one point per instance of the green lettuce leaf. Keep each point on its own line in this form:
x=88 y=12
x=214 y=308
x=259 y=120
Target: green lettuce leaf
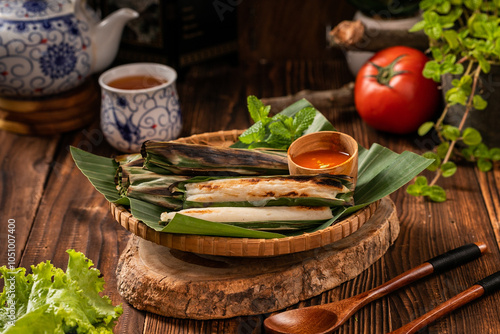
x=53 y=301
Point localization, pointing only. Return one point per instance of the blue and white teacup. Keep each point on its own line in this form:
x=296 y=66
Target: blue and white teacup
x=131 y=116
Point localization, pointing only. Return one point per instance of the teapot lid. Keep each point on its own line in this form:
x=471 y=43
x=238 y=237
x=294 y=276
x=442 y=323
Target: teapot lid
x=34 y=9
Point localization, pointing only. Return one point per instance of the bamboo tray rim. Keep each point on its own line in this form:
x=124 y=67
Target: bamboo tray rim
x=241 y=247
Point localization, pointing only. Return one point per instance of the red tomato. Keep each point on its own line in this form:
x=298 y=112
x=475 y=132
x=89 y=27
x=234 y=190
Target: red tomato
x=391 y=94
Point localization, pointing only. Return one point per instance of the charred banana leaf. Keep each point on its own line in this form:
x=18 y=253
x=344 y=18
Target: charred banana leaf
x=125 y=162
x=286 y=190
x=129 y=160
x=194 y=159
x=151 y=187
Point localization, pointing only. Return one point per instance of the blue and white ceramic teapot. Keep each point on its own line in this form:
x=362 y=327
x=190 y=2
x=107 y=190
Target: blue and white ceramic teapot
x=50 y=46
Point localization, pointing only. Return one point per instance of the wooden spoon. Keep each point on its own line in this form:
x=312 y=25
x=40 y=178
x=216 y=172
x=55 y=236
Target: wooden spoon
x=481 y=288
x=326 y=318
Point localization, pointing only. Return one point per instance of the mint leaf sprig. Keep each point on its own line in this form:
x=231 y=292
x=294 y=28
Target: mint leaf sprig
x=276 y=132
x=460 y=33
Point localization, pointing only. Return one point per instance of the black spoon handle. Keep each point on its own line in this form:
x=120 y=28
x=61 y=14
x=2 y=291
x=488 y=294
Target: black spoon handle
x=448 y=260
x=457 y=256
x=491 y=283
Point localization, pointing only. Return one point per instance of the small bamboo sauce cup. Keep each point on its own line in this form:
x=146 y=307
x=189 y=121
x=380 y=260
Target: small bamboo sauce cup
x=323 y=142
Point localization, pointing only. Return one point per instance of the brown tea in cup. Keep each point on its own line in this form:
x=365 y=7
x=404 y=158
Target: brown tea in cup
x=131 y=116
x=133 y=82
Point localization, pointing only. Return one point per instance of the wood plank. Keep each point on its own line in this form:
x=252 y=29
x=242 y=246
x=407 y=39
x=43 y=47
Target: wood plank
x=428 y=228
x=210 y=100
x=64 y=211
x=25 y=163
x=490 y=189
x=280 y=29
x=432 y=228
x=72 y=215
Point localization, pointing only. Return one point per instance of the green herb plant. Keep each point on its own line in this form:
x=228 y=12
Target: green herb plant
x=464 y=37
x=278 y=131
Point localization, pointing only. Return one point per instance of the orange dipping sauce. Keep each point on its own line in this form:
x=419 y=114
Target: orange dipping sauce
x=321 y=159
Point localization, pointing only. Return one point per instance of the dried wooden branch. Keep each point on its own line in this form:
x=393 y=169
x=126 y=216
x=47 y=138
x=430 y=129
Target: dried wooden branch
x=342 y=97
x=353 y=35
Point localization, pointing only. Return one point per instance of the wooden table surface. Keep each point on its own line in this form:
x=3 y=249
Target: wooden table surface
x=55 y=208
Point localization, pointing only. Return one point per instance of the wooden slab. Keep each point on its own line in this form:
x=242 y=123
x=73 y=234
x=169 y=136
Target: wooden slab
x=53 y=114
x=179 y=284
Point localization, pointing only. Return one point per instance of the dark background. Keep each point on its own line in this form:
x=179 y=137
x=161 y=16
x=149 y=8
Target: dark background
x=184 y=32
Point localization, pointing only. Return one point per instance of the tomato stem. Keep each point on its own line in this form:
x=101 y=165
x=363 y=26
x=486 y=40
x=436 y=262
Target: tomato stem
x=386 y=73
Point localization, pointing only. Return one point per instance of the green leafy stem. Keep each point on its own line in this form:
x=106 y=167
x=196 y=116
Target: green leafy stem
x=460 y=32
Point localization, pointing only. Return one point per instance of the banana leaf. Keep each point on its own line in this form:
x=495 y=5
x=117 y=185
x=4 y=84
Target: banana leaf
x=126 y=172
x=101 y=172
x=381 y=172
x=136 y=176
x=148 y=186
x=197 y=159
x=189 y=225
x=147 y=213
x=125 y=163
x=285 y=226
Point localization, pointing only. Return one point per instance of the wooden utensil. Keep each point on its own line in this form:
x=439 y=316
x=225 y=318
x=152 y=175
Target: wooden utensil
x=481 y=288
x=332 y=141
x=321 y=319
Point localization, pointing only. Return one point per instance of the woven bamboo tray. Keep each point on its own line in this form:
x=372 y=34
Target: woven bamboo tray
x=241 y=247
